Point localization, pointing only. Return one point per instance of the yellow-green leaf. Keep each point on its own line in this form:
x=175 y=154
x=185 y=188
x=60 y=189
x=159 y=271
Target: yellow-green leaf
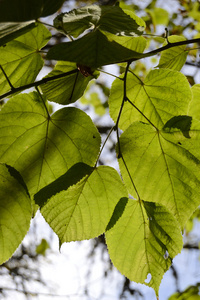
x=144 y=241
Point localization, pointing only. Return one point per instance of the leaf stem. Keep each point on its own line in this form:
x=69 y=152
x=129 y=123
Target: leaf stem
x=37 y=89
x=111 y=130
x=109 y=74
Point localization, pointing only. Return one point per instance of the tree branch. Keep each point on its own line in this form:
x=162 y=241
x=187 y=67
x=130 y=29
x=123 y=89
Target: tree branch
x=140 y=56
x=37 y=83
x=168 y=46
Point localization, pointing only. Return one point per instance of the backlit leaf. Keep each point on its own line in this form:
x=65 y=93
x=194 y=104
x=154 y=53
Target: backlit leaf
x=144 y=241
x=84 y=209
x=92 y=50
x=20 y=58
x=191 y=293
x=15 y=211
x=156 y=166
x=163 y=94
x=137 y=44
x=173 y=58
x=44 y=147
x=107 y=18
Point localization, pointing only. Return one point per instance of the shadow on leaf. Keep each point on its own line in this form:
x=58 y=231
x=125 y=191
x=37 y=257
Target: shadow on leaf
x=117 y=213
x=71 y=177
x=183 y=123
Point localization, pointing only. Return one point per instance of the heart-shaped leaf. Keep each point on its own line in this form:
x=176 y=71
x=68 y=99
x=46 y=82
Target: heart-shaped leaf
x=144 y=241
x=44 y=147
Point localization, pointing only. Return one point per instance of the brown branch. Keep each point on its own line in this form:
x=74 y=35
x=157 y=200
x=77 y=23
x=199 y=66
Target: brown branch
x=140 y=56
x=37 y=83
x=168 y=46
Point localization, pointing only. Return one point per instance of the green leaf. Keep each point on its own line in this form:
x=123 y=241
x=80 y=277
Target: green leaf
x=106 y=18
x=68 y=89
x=191 y=293
x=92 y=50
x=144 y=241
x=152 y=159
x=20 y=58
x=42 y=247
x=84 y=209
x=44 y=147
x=173 y=58
x=163 y=94
x=137 y=44
x=15 y=211
x=24 y=10
x=10 y=31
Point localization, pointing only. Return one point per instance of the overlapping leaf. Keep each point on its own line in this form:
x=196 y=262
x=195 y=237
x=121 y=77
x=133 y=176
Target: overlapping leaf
x=159 y=168
x=20 y=58
x=41 y=147
x=15 y=211
x=163 y=94
x=107 y=18
x=190 y=293
x=144 y=241
x=137 y=44
x=68 y=89
x=10 y=31
x=83 y=210
x=24 y=10
x=93 y=50
x=174 y=58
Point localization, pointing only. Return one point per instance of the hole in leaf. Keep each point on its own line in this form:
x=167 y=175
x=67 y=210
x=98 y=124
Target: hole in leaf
x=148 y=279
x=166 y=255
